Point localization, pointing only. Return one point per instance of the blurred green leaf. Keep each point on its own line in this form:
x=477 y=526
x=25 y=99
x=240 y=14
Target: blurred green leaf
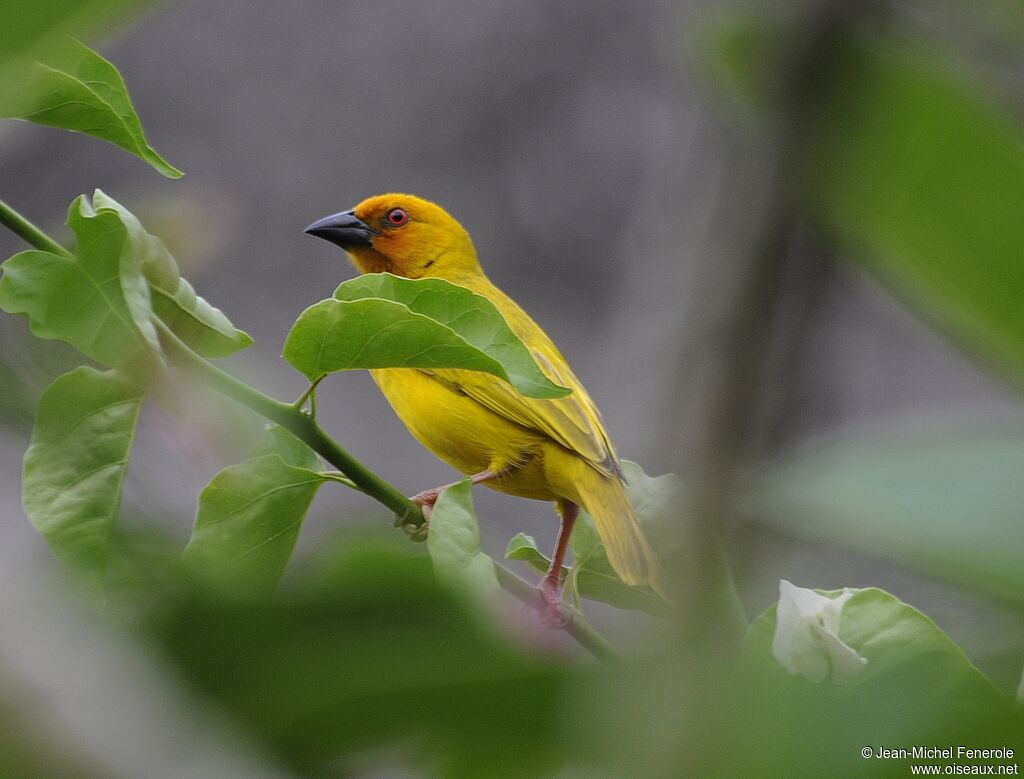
x=97 y=301
x=75 y=89
x=383 y=321
x=365 y=651
x=947 y=502
x=33 y=26
x=250 y=514
x=454 y=543
x=192 y=319
x=918 y=168
x=76 y=462
x=922 y=170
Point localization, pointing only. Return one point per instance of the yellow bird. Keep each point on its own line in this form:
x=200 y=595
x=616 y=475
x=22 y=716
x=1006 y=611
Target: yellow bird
x=554 y=450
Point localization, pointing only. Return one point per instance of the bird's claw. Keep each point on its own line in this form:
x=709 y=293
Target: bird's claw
x=427 y=498
x=417 y=532
x=550 y=607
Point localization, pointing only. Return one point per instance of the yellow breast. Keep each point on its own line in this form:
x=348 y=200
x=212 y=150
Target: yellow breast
x=463 y=433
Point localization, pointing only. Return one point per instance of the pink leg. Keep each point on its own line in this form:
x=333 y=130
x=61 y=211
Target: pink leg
x=428 y=498
x=551 y=584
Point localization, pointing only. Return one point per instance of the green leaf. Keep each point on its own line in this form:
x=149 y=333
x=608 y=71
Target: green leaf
x=917 y=688
x=921 y=170
x=917 y=168
x=204 y=328
x=285 y=445
x=76 y=462
x=524 y=547
x=384 y=321
x=75 y=89
x=97 y=301
x=249 y=517
x=454 y=542
x=364 y=650
x=946 y=502
x=102 y=300
x=32 y=26
x=893 y=637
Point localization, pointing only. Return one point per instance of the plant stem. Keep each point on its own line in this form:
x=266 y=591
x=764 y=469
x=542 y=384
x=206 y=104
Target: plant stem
x=295 y=421
x=23 y=228
x=577 y=626
x=305 y=427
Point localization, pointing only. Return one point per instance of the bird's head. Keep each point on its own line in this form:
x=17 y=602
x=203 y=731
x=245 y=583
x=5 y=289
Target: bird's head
x=401 y=234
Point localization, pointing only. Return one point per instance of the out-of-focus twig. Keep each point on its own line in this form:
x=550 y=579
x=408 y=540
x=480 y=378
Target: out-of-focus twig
x=759 y=230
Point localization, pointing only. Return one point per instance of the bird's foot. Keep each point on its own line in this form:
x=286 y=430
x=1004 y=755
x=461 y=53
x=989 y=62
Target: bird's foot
x=550 y=608
x=425 y=500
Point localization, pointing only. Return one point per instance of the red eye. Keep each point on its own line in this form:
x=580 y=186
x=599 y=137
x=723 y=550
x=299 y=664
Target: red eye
x=397 y=217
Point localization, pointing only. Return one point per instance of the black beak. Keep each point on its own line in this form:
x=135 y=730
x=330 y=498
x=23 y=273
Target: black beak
x=344 y=229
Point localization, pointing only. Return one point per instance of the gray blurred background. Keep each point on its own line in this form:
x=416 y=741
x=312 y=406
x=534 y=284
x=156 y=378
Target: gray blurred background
x=588 y=151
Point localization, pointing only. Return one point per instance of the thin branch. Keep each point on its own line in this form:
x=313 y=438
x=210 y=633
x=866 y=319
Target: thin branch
x=576 y=626
x=23 y=228
x=300 y=424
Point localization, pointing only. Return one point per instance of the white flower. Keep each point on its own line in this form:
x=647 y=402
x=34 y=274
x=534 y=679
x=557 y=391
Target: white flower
x=807 y=639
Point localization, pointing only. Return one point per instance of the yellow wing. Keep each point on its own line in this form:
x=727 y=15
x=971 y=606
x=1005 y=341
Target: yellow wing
x=572 y=421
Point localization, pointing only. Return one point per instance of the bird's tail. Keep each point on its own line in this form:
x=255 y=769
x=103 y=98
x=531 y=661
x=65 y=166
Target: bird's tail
x=604 y=498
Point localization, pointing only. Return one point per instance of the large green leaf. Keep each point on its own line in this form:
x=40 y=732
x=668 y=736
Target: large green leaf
x=250 y=514
x=97 y=301
x=384 y=321
x=365 y=650
x=74 y=88
x=927 y=176
x=76 y=464
x=205 y=328
x=947 y=502
x=103 y=299
x=892 y=637
x=919 y=170
x=917 y=688
x=33 y=26
x=454 y=543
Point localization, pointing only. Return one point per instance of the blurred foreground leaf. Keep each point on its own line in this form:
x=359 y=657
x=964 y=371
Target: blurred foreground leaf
x=367 y=652
x=75 y=465
x=383 y=321
x=947 y=503
x=250 y=514
x=31 y=27
x=74 y=88
x=925 y=174
x=916 y=167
